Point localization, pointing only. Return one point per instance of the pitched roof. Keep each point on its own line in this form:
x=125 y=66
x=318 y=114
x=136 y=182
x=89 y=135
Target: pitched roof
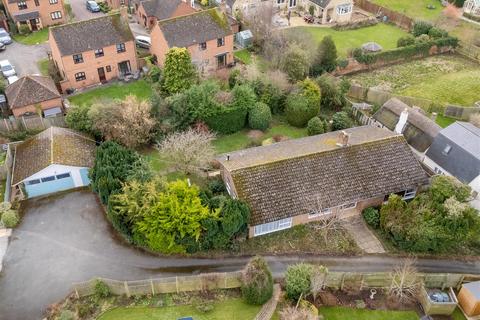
x=463 y=157
x=279 y=181
x=195 y=28
x=30 y=90
x=321 y=3
x=23 y=16
x=162 y=9
x=52 y=146
x=420 y=129
x=91 y=34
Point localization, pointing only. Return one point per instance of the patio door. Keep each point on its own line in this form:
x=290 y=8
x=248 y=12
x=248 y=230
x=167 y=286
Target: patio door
x=292 y=3
x=124 y=67
x=101 y=74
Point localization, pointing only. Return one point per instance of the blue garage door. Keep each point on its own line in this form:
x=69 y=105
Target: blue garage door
x=46 y=185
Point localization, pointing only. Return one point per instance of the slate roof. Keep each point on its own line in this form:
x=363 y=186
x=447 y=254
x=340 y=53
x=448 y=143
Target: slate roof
x=30 y=90
x=420 y=129
x=321 y=3
x=23 y=16
x=280 y=180
x=463 y=159
x=161 y=9
x=195 y=28
x=52 y=146
x=91 y=34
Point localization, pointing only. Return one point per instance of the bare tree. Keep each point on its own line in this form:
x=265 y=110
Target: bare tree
x=318 y=281
x=405 y=284
x=189 y=151
x=331 y=221
x=259 y=20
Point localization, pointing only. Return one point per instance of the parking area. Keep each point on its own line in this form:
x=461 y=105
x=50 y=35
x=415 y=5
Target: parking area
x=80 y=11
x=24 y=58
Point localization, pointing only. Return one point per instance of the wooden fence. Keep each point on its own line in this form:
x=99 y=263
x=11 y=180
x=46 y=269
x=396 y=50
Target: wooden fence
x=397 y=18
x=469 y=50
x=230 y=280
x=31 y=123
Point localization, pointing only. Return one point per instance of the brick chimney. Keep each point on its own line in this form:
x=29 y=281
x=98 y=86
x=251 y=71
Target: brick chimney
x=343 y=139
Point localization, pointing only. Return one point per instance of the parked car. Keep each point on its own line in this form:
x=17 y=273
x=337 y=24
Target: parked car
x=12 y=79
x=2 y=46
x=7 y=69
x=5 y=37
x=92 y=6
x=143 y=42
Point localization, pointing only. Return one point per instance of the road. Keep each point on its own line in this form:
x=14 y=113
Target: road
x=66 y=239
x=24 y=58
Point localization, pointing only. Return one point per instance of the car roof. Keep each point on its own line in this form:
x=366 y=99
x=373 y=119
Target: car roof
x=143 y=38
x=92 y=2
x=4 y=62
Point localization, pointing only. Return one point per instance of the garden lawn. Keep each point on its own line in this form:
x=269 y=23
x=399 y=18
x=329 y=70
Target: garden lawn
x=384 y=34
x=233 y=309
x=343 y=313
x=243 y=55
x=32 y=38
x=444 y=121
x=443 y=79
x=416 y=9
x=120 y=90
x=43 y=66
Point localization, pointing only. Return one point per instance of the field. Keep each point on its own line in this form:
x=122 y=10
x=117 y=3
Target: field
x=384 y=34
x=442 y=79
x=416 y=9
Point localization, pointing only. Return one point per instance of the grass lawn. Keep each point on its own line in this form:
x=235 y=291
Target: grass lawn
x=384 y=34
x=230 y=309
x=442 y=79
x=119 y=90
x=244 y=56
x=32 y=38
x=343 y=313
x=444 y=121
x=416 y=9
x=43 y=66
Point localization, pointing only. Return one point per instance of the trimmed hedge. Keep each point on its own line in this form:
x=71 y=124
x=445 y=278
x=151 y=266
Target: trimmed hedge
x=228 y=120
x=259 y=116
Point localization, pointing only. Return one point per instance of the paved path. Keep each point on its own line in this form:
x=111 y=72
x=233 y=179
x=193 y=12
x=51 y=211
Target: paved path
x=24 y=58
x=4 y=235
x=364 y=238
x=66 y=239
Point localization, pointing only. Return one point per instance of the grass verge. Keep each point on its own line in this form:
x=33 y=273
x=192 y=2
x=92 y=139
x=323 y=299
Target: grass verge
x=43 y=66
x=32 y=38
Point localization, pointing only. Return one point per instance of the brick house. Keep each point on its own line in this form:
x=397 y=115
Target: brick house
x=32 y=94
x=149 y=11
x=302 y=180
x=206 y=34
x=93 y=51
x=36 y=14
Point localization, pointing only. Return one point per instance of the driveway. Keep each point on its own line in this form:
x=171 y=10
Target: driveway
x=24 y=58
x=81 y=12
x=66 y=238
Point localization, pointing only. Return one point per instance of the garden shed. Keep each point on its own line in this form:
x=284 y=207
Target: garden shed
x=469 y=298
x=244 y=38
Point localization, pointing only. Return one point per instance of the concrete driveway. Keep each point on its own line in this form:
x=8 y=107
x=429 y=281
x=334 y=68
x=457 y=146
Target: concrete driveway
x=24 y=58
x=81 y=12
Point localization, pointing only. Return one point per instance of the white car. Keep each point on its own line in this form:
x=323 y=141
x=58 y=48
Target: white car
x=143 y=42
x=7 y=69
x=12 y=79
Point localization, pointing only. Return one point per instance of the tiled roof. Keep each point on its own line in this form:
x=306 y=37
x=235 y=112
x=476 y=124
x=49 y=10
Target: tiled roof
x=195 y=28
x=52 y=146
x=91 y=34
x=420 y=129
x=30 y=90
x=23 y=16
x=322 y=3
x=162 y=9
x=282 y=180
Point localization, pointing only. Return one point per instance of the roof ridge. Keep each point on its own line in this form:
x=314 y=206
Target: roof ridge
x=19 y=85
x=186 y=15
x=109 y=15
x=461 y=123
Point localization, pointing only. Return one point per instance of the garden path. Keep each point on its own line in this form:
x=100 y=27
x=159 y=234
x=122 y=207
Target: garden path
x=364 y=238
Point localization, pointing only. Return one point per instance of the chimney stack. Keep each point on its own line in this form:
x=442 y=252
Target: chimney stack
x=343 y=138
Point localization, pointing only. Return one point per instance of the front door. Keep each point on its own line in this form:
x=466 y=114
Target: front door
x=101 y=74
x=222 y=61
x=292 y=3
x=33 y=24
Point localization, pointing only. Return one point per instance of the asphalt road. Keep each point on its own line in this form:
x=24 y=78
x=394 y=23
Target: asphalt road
x=24 y=58
x=66 y=239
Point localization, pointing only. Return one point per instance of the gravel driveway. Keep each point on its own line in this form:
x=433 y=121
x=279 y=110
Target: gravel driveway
x=24 y=58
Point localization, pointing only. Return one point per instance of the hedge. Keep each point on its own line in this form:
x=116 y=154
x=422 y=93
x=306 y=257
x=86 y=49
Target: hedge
x=228 y=120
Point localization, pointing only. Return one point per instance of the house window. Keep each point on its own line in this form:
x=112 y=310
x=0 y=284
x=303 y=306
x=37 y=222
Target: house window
x=280 y=1
x=220 y=42
x=22 y=5
x=46 y=179
x=37 y=3
x=222 y=60
x=344 y=9
x=53 y=1
x=202 y=46
x=80 y=76
x=447 y=149
x=350 y=205
x=77 y=58
x=121 y=47
x=63 y=176
x=99 y=53
x=322 y=212
x=409 y=194
x=109 y=69
x=32 y=182
x=272 y=226
x=56 y=15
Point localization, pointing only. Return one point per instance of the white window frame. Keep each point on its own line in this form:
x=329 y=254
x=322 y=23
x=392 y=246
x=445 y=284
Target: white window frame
x=409 y=194
x=348 y=206
x=270 y=227
x=56 y=15
x=53 y=1
x=344 y=9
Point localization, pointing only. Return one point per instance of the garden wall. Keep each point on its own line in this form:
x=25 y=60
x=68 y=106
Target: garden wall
x=397 y=18
x=31 y=123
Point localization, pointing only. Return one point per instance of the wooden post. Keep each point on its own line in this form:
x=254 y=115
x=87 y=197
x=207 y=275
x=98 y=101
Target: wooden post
x=153 y=288
x=342 y=282
x=127 y=291
x=459 y=284
x=225 y=280
x=176 y=283
x=361 y=282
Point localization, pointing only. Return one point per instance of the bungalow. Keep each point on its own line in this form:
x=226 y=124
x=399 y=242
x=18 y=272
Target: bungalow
x=206 y=34
x=93 y=51
x=149 y=11
x=472 y=7
x=54 y=160
x=418 y=129
x=456 y=152
x=336 y=173
x=34 y=94
x=36 y=14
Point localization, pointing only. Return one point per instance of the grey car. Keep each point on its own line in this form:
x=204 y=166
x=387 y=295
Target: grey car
x=5 y=37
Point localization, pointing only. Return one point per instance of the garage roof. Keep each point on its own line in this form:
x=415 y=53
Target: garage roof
x=52 y=146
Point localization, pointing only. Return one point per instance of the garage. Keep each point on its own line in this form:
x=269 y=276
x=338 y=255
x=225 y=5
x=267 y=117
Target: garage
x=56 y=159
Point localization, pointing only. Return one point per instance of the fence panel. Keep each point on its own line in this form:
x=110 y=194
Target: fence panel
x=399 y=19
